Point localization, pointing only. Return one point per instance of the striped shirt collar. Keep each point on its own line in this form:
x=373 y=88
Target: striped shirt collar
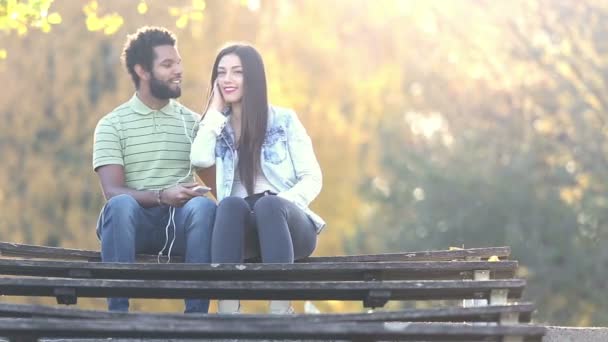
x=139 y=107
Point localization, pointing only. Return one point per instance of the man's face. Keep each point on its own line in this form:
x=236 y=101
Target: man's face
x=166 y=73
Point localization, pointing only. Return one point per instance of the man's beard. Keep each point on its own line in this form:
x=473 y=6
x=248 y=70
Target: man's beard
x=161 y=90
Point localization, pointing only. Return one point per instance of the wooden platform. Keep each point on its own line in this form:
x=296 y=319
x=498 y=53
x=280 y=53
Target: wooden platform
x=484 y=278
x=8 y=249
x=29 y=329
x=344 y=271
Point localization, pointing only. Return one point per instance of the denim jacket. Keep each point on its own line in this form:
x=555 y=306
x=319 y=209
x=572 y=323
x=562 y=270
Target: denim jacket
x=287 y=159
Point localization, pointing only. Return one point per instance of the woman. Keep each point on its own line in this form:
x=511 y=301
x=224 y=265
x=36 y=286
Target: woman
x=266 y=170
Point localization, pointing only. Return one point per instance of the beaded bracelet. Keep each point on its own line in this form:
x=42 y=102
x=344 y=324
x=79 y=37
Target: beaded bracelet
x=158 y=193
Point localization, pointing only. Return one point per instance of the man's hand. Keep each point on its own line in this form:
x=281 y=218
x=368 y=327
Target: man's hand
x=177 y=196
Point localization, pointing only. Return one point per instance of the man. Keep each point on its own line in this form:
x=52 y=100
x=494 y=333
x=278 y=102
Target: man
x=141 y=155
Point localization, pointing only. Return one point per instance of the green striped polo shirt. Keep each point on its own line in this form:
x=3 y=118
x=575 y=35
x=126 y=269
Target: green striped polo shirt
x=153 y=146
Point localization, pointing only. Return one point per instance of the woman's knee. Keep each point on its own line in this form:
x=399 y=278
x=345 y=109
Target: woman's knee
x=233 y=203
x=270 y=204
x=232 y=215
x=305 y=247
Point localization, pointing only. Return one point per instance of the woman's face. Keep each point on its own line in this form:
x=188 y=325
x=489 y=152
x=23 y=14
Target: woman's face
x=230 y=78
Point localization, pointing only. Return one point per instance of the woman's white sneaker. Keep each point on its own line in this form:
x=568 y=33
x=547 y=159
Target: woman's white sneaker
x=281 y=307
x=228 y=306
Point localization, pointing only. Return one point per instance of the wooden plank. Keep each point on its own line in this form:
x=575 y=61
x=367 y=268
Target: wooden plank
x=18 y=250
x=368 y=331
x=254 y=290
x=439 y=255
x=446 y=314
x=8 y=249
x=413 y=270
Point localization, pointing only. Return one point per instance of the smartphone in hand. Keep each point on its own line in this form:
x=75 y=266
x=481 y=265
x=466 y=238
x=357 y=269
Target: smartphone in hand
x=201 y=189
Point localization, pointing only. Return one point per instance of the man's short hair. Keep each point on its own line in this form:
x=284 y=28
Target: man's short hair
x=139 y=48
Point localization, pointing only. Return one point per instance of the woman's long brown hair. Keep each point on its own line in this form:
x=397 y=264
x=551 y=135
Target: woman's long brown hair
x=255 y=110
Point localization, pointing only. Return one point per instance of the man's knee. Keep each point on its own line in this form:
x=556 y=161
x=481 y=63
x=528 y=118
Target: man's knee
x=201 y=205
x=118 y=218
x=123 y=203
x=119 y=211
x=201 y=211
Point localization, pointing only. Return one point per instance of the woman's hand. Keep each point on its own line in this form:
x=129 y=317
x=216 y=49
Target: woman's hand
x=217 y=100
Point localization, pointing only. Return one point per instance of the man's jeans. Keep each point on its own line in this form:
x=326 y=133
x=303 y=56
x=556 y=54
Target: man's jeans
x=126 y=228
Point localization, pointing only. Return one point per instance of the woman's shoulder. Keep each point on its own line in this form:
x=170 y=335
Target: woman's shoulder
x=281 y=111
x=280 y=116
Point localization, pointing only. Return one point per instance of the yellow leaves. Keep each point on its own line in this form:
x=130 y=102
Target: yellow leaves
x=588 y=310
x=566 y=48
x=45 y=27
x=142 y=7
x=182 y=21
x=583 y=180
x=564 y=69
x=113 y=25
x=109 y=23
x=3 y=54
x=174 y=11
x=571 y=195
x=197 y=16
x=186 y=14
x=20 y=16
x=199 y=5
x=574 y=194
x=544 y=126
x=54 y=18
x=46 y=21
x=91 y=7
x=593 y=101
x=22 y=30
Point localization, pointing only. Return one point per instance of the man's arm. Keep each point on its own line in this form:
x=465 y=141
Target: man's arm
x=112 y=178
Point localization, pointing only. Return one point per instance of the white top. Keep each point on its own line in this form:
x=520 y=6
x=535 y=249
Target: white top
x=261 y=184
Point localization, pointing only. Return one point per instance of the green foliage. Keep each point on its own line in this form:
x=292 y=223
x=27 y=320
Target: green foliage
x=515 y=156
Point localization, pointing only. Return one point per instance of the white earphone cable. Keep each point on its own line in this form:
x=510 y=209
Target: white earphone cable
x=171 y=220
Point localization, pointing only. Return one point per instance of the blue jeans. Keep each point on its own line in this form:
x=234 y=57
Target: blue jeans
x=126 y=228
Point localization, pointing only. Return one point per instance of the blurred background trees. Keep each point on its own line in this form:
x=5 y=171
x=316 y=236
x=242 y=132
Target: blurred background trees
x=437 y=123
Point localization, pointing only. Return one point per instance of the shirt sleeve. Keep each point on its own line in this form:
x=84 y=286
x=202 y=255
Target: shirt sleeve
x=202 y=153
x=107 y=148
